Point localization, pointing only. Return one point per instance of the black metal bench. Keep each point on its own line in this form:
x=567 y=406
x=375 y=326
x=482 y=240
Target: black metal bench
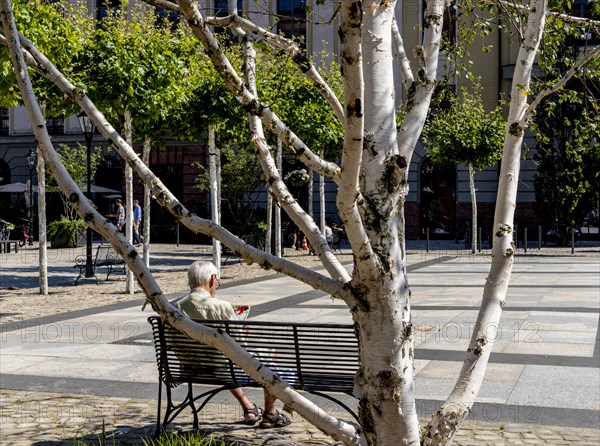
x=316 y=358
x=106 y=256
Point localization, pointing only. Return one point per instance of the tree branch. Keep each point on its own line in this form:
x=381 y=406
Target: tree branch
x=400 y=53
x=276 y=185
x=558 y=85
x=349 y=188
x=444 y=423
x=418 y=97
x=165 y=4
x=565 y=17
x=287 y=45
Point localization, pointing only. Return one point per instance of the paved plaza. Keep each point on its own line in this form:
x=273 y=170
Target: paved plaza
x=64 y=375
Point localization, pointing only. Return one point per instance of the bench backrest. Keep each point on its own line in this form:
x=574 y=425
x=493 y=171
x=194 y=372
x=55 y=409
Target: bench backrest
x=107 y=254
x=311 y=357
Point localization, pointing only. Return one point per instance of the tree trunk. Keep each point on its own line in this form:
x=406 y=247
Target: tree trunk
x=278 y=244
x=215 y=209
x=43 y=241
x=473 y=209
x=129 y=286
x=147 y=203
x=338 y=429
x=311 y=190
x=322 y=202
x=385 y=382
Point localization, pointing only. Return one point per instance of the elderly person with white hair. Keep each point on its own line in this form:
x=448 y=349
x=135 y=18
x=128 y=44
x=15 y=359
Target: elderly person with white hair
x=202 y=303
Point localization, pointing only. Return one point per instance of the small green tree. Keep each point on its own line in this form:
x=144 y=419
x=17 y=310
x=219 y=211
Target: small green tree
x=74 y=158
x=465 y=133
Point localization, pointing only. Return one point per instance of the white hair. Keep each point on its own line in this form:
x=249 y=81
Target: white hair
x=200 y=273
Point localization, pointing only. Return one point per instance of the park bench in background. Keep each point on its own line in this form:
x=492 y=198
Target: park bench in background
x=5 y=245
x=106 y=257
x=316 y=358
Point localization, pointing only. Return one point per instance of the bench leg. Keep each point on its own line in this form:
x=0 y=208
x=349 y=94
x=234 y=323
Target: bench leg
x=157 y=433
x=79 y=276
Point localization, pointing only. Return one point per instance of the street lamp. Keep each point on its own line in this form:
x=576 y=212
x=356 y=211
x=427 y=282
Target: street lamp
x=31 y=158
x=88 y=128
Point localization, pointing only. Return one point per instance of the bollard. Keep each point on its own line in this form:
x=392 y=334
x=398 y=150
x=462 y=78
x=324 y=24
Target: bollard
x=525 y=240
x=572 y=240
x=479 y=239
x=539 y=238
x=177 y=233
x=427 y=240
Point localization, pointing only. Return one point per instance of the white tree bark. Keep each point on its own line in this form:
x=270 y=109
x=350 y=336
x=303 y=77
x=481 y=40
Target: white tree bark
x=385 y=383
x=43 y=240
x=278 y=163
x=311 y=192
x=147 y=203
x=444 y=423
x=322 y=202
x=128 y=130
x=269 y=230
x=215 y=209
x=473 y=209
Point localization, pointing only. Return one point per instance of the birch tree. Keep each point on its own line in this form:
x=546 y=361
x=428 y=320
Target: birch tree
x=372 y=187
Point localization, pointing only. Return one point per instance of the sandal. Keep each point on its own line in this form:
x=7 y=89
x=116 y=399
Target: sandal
x=254 y=410
x=274 y=420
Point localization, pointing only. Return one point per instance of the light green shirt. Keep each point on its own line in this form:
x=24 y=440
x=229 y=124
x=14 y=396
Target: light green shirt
x=199 y=304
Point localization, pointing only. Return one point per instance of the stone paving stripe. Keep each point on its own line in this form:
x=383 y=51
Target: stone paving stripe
x=507 y=309
x=487 y=412
x=438 y=285
x=13 y=326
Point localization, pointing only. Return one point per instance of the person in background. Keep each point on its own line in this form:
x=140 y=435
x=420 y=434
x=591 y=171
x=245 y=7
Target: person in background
x=202 y=303
x=120 y=215
x=137 y=220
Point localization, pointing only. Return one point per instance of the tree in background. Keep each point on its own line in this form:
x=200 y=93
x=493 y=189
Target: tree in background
x=567 y=131
x=463 y=132
x=74 y=159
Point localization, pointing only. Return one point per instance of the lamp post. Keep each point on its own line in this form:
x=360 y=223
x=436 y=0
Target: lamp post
x=88 y=128
x=31 y=158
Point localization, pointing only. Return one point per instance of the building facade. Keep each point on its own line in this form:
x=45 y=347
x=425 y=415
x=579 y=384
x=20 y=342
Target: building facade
x=438 y=199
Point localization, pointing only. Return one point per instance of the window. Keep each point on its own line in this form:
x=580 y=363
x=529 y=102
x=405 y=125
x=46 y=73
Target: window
x=165 y=15
x=292 y=18
x=449 y=27
x=105 y=8
x=583 y=8
x=55 y=126
x=4 y=123
x=222 y=8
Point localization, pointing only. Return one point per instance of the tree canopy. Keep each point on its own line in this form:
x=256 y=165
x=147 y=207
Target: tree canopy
x=463 y=132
